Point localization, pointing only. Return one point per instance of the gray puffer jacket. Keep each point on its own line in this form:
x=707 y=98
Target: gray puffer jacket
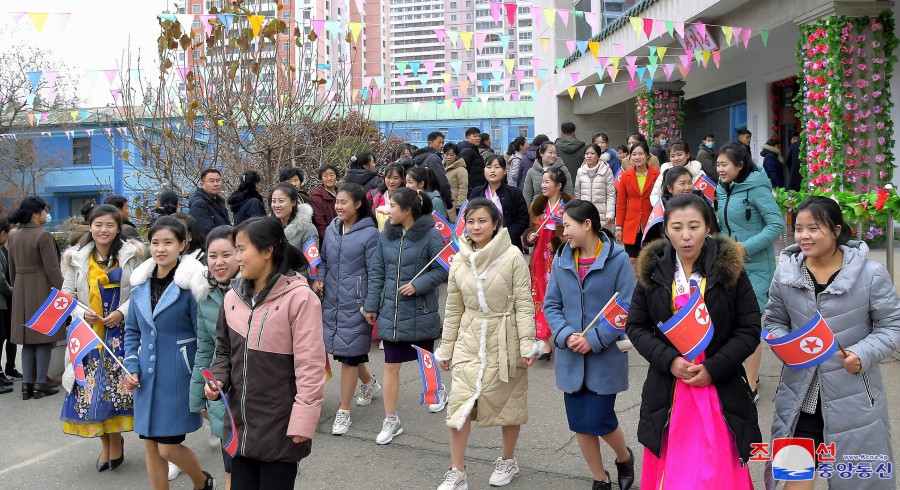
x=344 y=270
x=301 y=228
x=400 y=255
x=862 y=308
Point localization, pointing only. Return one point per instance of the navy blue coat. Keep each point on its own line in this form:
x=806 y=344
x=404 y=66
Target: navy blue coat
x=515 y=210
x=400 y=255
x=246 y=205
x=345 y=272
x=209 y=211
x=160 y=345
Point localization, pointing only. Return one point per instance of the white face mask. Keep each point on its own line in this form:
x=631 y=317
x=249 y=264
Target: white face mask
x=663 y=142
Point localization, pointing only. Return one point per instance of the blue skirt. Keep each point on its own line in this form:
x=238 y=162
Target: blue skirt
x=591 y=413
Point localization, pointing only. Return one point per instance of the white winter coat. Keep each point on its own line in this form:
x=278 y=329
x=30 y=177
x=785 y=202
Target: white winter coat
x=695 y=167
x=601 y=190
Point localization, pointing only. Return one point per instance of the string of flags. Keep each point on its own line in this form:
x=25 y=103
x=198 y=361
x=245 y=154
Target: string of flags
x=68 y=133
x=40 y=19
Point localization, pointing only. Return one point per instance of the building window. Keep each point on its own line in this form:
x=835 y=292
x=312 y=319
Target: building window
x=81 y=151
x=525 y=35
x=306 y=14
x=196 y=24
x=285 y=47
x=453 y=5
x=415 y=135
x=525 y=23
x=443 y=131
x=454 y=55
x=181 y=57
x=195 y=9
x=196 y=53
x=452 y=17
x=468 y=15
x=495 y=133
x=523 y=131
x=286 y=14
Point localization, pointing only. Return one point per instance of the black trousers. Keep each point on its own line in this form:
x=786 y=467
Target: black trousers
x=251 y=474
x=5 y=331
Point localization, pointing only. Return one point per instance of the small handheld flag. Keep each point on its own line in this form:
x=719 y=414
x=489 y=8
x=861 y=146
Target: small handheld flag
x=328 y=373
x=231 y=446
x=445 y=258
x=656 y=216
x=808 y=346
x=615 y=315
x=52 y=314
x=81 y=339
x=311 y=251
x=707 y=186
x=431 y=378
x=459 y=228
x=442 y=225
x=558 y=211
x=691 y=329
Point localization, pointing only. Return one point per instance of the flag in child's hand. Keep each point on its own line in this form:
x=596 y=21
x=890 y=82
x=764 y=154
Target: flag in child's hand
x=442 y=225
x=558 y=211
x=311 y=251
x=231 y=446
x=615 y=315
x=445 y=258
x=808 y=346
x=52 y=314
x=80 y=341
x=707 y=186
x=691 y=328
x=431 y=378
x=460 y=226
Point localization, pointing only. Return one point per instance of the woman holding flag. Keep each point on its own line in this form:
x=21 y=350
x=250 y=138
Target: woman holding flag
x=488 y=339
x=589 y=272
x=633 y=206
x=827 y=276
x=98 y=274
x=545 y=234
x=697 y=419
x=403 y=294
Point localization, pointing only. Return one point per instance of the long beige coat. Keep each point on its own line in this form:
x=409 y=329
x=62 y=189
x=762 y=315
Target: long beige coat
x=458 y=177
x=488 y=327
x=34 y=269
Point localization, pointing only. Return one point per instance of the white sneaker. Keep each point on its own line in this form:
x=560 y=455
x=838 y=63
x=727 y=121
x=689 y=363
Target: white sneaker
x=342 y=423
x=504 y=471
x=174 y=471
x=442 y=401
x=389 y=430
x=454 y=480
x=380 y=345
x=214 y=442
x=367 y=391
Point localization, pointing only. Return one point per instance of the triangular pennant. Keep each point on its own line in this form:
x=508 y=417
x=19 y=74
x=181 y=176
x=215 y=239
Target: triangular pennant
x=591 y=18
x=484 y=99
x=698 y=55
x=667 y=69
x=746 y=36
x=51 y=98
x=679 y=28
x=495 y=64
x=582 y=46
x=429 y=67
x=599 y=87
x=458 y=102
x=560 y=62
x=563 y=16
x=670 y=27
x=256 y=23
x=29 y=99
x=334 y=28
x=636 y=24
x=416 y=105
x=706 y=54
x=440 y=33
x=318 y=26
x=727 y=31
x=453 y=36
x=464 y=85
x=549 y=16
x=480 y=37
x=660 y=26
x=423 y=78
x=594 y=46
x=561 y=77
x=401 y=79
x=631 y=70
x=612 y=72
x=619 y=49
x=701 y=29
x=661 y=51
x=496 y=11
x=359 y=6
x=716 y=56
x=510 y=65
x=364 y=92
x=632 y=85
x=506 y=96
x=34 y=77
x=379 y=81
x=631 y=60
x=543 y=73
x=614 y=61
x=652 y=50
x=603 y=62
x=641 y=70
x=649 y=84
x=38 y=19
x=504 y=41
x=110 y=75
x=684 y=72
x=414 y=66
x=581 y=89
x=168 y=17
x=520 y=74
x=63 y=20
x=545 y=43
x=472 y=76
x=686 y=59
x=366 y=82
x=574 y=76
x=355 y=29
x=571 y=91
x=401 y=66
x=511 y=12
x=765 y=37
x=570 y=45
x=446 y=77
x=485 y=82
x=466 y=37
x=226 y=19
x=354 y=93
x=648 y=28
x=498 y=75
x=651 y=71
x=456 y=65
x=17 y=16
x=83 y=114
x=535 y=64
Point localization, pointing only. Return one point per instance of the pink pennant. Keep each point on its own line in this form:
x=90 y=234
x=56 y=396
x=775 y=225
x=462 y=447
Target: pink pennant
x=366 y=82
x=667 y=69
x=648 y=29
x=581 y=89
x=207 y=25
x=701 y=29
x=511 y=12
x=746 y=36
x=402 y=80
x=473 y=77
x=117 y=95
x=182 y=72
x=660 y=26
x=63 y=20
x=496 y=11
x=536 y=14
x=51 y=97
x=536 y=64
x=591 y=18
x=318 y=26
x=110 y=75
x=446 y=87
x=631 y=70
x=375 y=92
x=515 y=96
x=619 y=49
x=506 y=96
x=631 y=60
x=574 y=76
x=686 y=59
x=612 y=72
x=429 y=66
x=17 y=16
x=495 y=65
x=50 y=78
x=359 y=5
x=717 y=56
x=690 y=56
x=440 y=35
x=520 y=74
x=632 y=85
x=679 y=28
x=603 y=61
x=480 y=38
x=458 y=102
x=570 y=45
x=564 y=16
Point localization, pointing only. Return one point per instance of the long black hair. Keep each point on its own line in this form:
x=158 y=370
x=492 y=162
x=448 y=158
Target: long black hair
x=198 y=241
x=424 y=175
x=358 y=195
x=581 y=211
x=107 y=210
x=171 y=223
x=360 y=160
x=291 y=192
x=167 y=202
x=29 y=207
x=248 y=187
x=265 y=233
x=417 y=201
x=221 y=232
x=737 y=153
x=670 y=176
x=394 y=167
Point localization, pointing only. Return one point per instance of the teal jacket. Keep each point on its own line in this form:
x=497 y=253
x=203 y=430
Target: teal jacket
x=207 y=314
x=748 y=214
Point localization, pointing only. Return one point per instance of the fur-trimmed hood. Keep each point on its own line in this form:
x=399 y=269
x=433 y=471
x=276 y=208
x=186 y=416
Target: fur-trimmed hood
x=540 y=202
x=76 y=257
x=301 y=220
x=416 y=232
x=191 y=275
x=656 y=264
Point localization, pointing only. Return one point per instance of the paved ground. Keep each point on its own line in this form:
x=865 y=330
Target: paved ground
x=36 y=454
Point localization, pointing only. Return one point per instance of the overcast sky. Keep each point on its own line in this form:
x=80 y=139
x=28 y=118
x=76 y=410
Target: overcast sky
x=95 y=38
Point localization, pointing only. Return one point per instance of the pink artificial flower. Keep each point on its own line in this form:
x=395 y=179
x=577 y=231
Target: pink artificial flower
x=879 y=158
x=882 y=141
x=862 y=67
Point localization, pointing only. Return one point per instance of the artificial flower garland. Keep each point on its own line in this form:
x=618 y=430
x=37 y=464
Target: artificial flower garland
x=660 y=110
x=868 y=211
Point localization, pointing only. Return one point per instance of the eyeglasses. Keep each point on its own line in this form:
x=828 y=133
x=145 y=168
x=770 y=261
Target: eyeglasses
x=213 y=181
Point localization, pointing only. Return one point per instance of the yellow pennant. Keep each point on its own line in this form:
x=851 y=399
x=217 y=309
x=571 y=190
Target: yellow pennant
x=355 y=29
x=466 y=37
x=595 y=48
x=38 y=19
x=545 y=43
x=637 y=24
x=256 y=23
x=510 y=65
x=550 y=16
x=446 y=76
x=706 y=54
x=728 y=31
x=661 y=51
x=571 y=91
x=615 y=62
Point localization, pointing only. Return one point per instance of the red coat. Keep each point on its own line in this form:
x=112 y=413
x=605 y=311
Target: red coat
x=633 y=207
x=322 y=203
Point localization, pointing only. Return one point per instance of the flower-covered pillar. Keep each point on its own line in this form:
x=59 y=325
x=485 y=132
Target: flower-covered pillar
x=661 y=109
x=846 y=61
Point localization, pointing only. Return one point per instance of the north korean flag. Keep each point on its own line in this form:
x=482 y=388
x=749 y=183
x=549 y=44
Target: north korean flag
x=707 y=186
x=311 y=251
x=431 y=377
x=80 y=341
x=615 y=315
x=230 y=446
x=558 y=211
x=808 y=346
x=459 y=228
x=442 y=225
x=52 y=314
x=691 y=329
x=445 y=258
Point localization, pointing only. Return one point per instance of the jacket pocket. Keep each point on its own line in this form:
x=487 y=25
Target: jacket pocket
x=187 y=356
x=865 y=378
x=359 y=296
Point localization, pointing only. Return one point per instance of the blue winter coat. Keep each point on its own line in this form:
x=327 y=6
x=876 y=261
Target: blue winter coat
x=758 y=233
x=159 y=346
x=400 y=255
x=345 y=272
x=772 y=164
x=570 y=305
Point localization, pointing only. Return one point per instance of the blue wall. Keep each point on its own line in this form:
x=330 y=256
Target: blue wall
x=456 y=128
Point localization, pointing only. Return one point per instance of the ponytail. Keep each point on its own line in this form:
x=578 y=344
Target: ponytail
x=417 y=201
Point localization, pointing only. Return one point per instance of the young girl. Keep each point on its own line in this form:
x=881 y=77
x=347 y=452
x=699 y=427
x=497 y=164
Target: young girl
x=596 y=183
x=98 y=274
x=350 y=242
x=590 y=369
x=209 y=290
x=826 y=273
x=423 y=179
x=458 y=177
x=633 y=205
x=679 y=181
x=295 y=216
x=698 y=420
x=407 y=310
x=160 y=342
x=545 y=235
x=270 y=360
x=488 y=334
x=679 y=156
x=380 y=199
x=508 y=199
x=362 y=172
x=547 y=159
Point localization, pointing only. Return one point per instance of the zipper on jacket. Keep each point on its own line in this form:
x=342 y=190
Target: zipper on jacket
x=397 y=292
x=244 y=389
x=727 y=199
x=865 y=378
x=262 y=325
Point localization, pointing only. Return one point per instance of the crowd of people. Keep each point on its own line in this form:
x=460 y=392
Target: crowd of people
x=267 y=292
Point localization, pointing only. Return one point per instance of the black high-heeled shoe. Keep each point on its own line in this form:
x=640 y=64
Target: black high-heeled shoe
x=545 y=356
x=102 y=466
x=42 y=389
x=115 y=463
x=27 y=391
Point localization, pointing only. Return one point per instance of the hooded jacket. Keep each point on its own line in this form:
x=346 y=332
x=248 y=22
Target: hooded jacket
x=736 y=320
x=75 y=263
x=749 y=215
x=707 y=158
x=773 y=164
x=693 y=166
x=527 y=162
x=489 y=327
x=458 y=177
x=209 y=211
x=245 y=205
x=659 y=151
x=400 y=255
x=271 y=360
x=474 y=163
x=366 y=178
x=301 y=229
x=209 y=303
x=571 y=150
x=428 y=157
x=599 y=190
x=862 y=309
x=345 y=271
x=532 y=186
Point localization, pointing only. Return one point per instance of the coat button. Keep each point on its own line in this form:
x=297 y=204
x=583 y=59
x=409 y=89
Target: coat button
x=152 y=358
x=150 y=346
x=153 y=333
x=149 y=370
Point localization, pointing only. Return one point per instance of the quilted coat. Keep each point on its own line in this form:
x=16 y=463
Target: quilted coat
x=209 y=303
x=600 y=190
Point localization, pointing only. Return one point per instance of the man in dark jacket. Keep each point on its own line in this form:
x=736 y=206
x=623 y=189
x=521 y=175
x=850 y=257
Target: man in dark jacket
x=430 y=157
x=658 y=147
x=468 y=151
x=793 y=163
x=706 y=155
x=570 y=148
x=206 y=205
x=129 y=229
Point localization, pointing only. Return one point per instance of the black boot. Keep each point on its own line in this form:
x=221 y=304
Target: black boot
x=625 y=472
x=4 y=380
x=41 y=390
x=12 y=373
x=603 y=485
x=27 y=391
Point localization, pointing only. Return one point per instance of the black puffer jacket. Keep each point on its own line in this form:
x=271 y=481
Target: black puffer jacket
x=367 y=179
x=474 y=164
x=246 y=205
x=735 y=315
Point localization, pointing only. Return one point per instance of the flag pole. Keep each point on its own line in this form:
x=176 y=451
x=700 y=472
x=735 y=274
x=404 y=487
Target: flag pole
x=111 y=353
x=429 y=263
x=600 y=313
x=549 y=216
x=842 y=349
x=86 y=307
